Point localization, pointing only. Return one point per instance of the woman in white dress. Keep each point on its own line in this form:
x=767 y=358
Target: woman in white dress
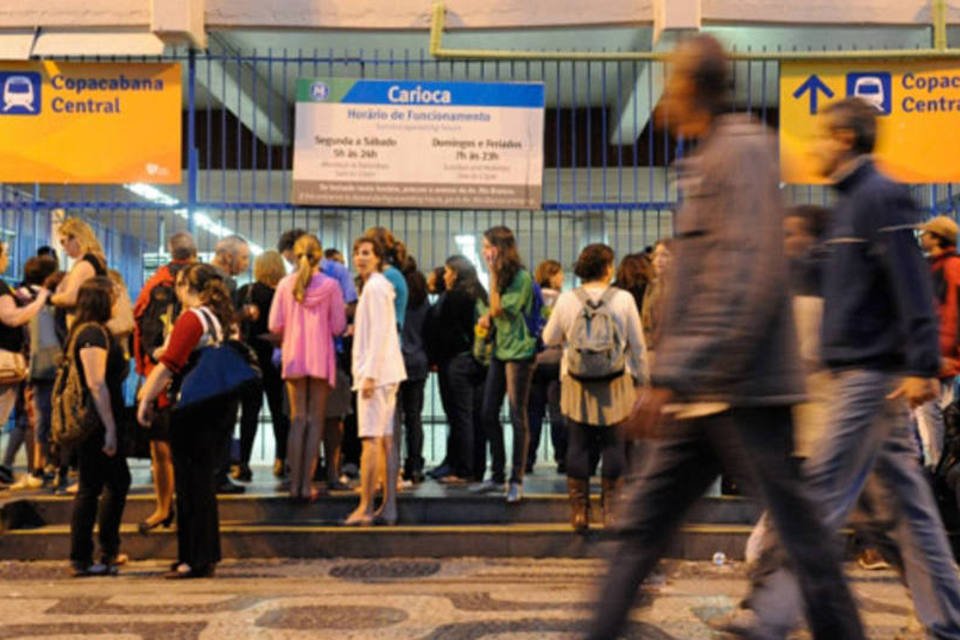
x=377 y=372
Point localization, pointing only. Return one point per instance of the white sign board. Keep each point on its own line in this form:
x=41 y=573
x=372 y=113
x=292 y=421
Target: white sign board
x=393 y=143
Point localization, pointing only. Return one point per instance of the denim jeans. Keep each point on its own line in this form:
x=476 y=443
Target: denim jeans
x=461 y=390
x=678 y=468
x=98 y=474
x=867 y=431
x=510 y=378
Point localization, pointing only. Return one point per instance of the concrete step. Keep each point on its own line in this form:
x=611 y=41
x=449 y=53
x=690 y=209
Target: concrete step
x=454 y=508
x=311 y=539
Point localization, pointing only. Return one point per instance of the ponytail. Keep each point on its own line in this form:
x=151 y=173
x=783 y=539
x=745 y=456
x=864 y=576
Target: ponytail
x=308 y=251
x=216 y=297
x=209 y=286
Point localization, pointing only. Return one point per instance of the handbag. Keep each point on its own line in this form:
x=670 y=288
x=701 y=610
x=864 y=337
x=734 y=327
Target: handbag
x=13 y=367
x=218 y=371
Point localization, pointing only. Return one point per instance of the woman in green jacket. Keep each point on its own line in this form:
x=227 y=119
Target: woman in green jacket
x=511 y=365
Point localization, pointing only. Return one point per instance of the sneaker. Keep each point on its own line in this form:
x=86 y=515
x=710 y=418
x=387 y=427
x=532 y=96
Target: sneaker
x=228 y=488
x=871 y=560
x=515 y=493
x=740 y=623
x=79 y=570
x=487 y=486
x=438 y=472
x=27 y=481
x=6 y=475
x=338 y=485
x=59 y=486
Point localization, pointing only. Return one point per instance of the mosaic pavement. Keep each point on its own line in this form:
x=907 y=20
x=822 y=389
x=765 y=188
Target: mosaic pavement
x=464 y=599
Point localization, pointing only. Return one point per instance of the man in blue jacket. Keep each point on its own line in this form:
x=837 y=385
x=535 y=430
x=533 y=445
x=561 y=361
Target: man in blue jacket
x=880 y=340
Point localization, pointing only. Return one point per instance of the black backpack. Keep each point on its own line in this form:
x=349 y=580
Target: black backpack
x=158 y=316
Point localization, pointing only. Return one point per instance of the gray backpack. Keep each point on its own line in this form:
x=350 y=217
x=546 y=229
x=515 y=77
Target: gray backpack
x=595 y=346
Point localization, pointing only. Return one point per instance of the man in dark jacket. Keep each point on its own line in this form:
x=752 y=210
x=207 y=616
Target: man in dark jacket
x=880 y=340
x=727 y=357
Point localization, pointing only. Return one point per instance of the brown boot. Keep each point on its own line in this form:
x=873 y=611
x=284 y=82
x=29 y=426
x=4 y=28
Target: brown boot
x=610 y=493
x=579 y=491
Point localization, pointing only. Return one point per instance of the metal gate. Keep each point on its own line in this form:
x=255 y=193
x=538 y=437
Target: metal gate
x=606 y=173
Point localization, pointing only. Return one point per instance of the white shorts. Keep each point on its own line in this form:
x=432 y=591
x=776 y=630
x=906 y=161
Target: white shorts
x=375 y=414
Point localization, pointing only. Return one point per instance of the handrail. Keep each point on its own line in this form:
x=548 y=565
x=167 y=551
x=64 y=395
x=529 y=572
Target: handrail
x=940 y=49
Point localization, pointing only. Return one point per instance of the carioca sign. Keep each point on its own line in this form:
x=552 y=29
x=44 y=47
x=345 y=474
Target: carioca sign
x=83 y=123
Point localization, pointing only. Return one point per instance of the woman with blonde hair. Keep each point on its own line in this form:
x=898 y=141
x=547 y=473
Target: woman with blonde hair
x=307 y=311
x=256 y=299
x=80 y=243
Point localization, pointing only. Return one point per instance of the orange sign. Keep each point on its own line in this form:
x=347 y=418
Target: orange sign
x=917 y=106
x=90 y=123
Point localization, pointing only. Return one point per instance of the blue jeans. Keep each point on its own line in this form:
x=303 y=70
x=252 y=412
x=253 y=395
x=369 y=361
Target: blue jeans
x=868 y=432
x=511 y=378
x=678 y=467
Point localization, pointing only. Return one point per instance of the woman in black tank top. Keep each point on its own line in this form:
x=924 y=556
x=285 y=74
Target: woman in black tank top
x=81 y=245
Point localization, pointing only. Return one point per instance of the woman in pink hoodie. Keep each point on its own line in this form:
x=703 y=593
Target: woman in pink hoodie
x=307 y=311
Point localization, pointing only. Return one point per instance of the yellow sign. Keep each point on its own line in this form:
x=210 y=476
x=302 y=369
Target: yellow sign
x=918 y=109
x=90 y=123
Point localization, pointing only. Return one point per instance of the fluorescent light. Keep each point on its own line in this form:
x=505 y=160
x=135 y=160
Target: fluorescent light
x=151 y=193
x=467 y=246
x=200 y=218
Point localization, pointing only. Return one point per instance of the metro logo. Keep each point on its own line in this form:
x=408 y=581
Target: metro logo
x=21 y=93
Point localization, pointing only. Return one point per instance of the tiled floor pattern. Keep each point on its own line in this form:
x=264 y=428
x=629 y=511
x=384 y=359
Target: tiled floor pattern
x=463 y=599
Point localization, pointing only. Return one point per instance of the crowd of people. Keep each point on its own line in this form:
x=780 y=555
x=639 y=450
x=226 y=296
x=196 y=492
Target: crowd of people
x=343 y=360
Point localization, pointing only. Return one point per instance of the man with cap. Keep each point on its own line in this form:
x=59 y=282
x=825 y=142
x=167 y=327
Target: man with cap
x=938 y=238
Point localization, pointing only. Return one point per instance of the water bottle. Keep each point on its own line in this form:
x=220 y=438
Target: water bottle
x=719 y=558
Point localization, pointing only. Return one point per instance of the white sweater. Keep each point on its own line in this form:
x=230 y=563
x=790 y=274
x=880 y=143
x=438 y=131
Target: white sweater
x=625 y=314
x=376 y=344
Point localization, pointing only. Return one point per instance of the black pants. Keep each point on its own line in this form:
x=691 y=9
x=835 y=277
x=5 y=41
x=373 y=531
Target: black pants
x=196 y=442
x=545 y=401
x=589 y=442
x=411 y=416
x=99 y=475
x=252 y=403
x=680 y=466
x=224 y=455
x=461 y=391
x=510 y=378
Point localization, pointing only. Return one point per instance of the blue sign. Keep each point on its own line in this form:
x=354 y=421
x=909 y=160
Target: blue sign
x=874 y=87
x=20 y=93
x=813 y=85
x=451 y=94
